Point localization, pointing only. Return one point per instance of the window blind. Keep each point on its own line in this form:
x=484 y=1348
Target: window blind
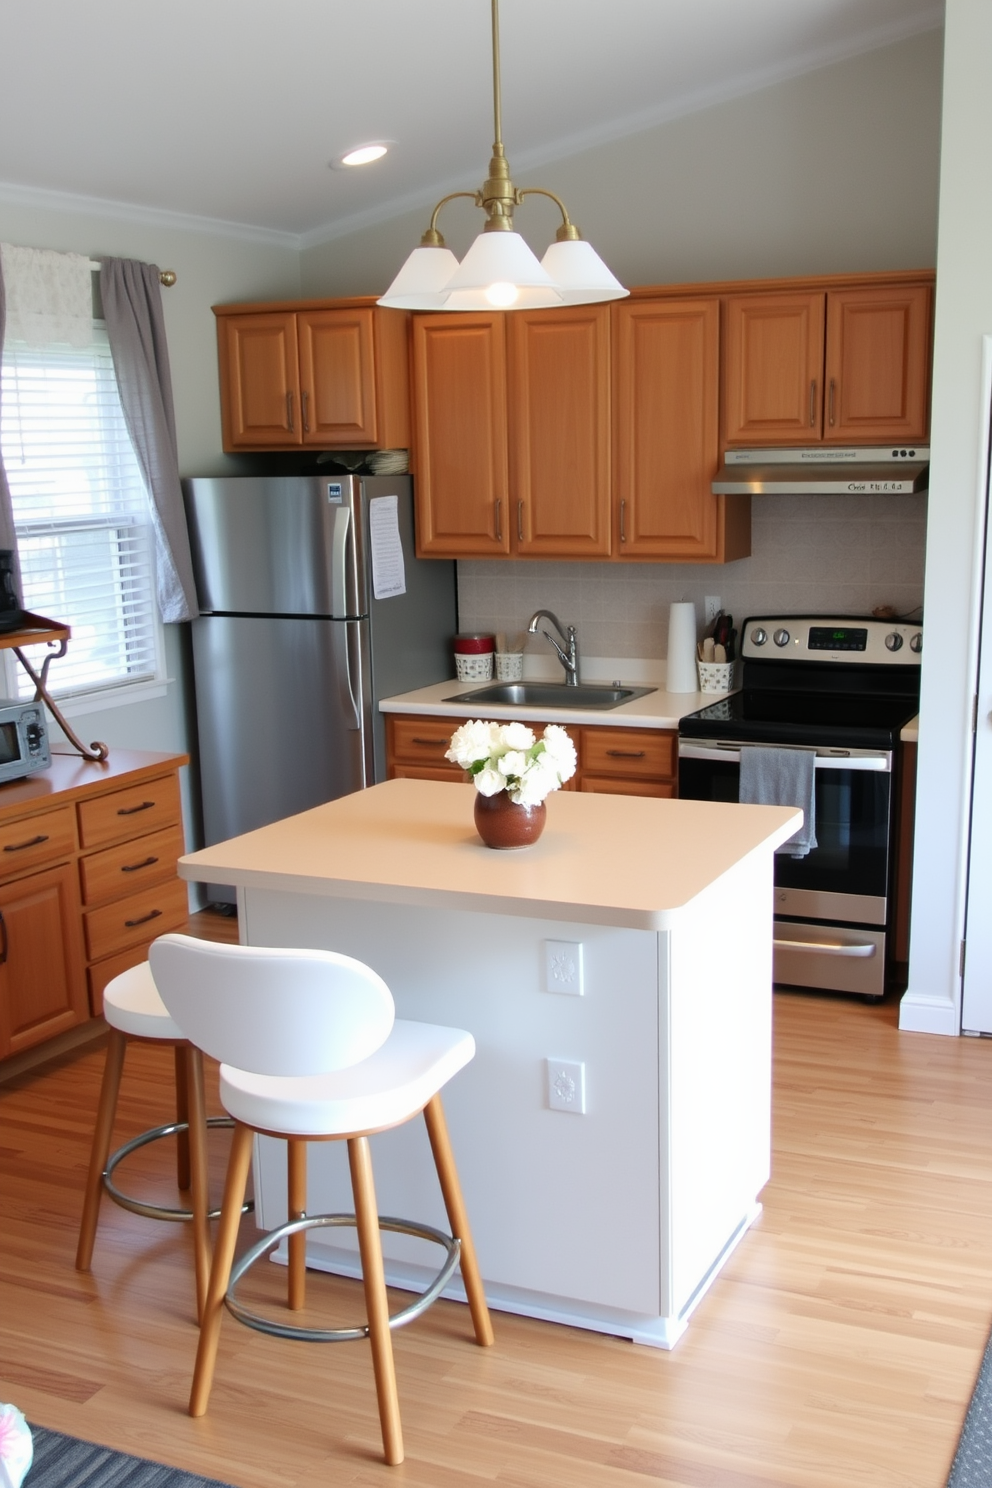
x=81 y=514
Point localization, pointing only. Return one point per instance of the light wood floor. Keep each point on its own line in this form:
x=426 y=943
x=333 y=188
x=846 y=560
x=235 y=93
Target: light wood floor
x=838 y=1348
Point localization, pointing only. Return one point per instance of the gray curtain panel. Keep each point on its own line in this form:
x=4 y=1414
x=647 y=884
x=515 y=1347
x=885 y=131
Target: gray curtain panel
x=8 y=537
x=132 y=308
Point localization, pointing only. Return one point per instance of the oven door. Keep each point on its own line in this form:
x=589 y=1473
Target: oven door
x=839 y=886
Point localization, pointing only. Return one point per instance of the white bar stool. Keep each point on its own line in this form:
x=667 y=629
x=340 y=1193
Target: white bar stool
x=134 y=1011
x=310 y=1051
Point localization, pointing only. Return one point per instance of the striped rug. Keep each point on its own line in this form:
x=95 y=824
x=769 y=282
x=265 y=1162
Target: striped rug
x=66 y=1462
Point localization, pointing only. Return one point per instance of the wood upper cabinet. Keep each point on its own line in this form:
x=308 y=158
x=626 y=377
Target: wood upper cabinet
x=331 y=376
x=512 y=432
x=459 y=421
x=878 y=364
x=559 y=431
x=846 y=365
x=666 y=422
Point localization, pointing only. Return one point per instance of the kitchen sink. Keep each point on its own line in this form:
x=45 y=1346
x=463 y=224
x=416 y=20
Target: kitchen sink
x=550 y=695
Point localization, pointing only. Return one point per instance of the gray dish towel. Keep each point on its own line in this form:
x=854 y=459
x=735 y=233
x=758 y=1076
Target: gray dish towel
x=782 y=777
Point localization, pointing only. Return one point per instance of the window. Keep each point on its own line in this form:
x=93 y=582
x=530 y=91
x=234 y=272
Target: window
x=81 y=513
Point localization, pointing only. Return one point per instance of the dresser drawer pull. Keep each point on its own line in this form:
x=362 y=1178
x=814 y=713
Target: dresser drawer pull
x=133 y=867
x=432 y=742
x=31 y=842
x=130 y=810
x=626 y=753
x=153 y=915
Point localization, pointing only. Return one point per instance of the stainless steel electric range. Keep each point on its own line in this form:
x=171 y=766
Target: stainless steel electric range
x=844 y=688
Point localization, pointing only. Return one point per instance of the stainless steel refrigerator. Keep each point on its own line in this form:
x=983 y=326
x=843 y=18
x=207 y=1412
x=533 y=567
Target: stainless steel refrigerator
x=313 y=607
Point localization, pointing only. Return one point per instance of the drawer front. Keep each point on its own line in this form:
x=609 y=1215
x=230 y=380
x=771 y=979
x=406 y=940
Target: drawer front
x=103 y=973
x=423 y=741
x=629 y=785
x=129 y=813
x=37 y=839
x=135 y=920
x=121 y=870
x=609 y=751
x=430 y=772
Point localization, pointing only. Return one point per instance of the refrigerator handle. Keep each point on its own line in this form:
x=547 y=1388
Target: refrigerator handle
x=349 y=702
x=339 y=561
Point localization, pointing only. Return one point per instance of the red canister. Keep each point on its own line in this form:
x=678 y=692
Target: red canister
x=474 y=656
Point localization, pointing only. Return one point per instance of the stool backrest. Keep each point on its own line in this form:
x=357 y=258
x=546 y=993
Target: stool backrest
x=273 y=1012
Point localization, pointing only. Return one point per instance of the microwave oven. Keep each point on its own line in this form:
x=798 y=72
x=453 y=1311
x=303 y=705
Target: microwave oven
x=23 y=739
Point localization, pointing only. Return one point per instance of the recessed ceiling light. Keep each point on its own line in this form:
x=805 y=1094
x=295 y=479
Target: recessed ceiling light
x=361 y=155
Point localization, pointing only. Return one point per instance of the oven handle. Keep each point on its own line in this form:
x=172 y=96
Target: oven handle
x=731 y=755
x=826 y=947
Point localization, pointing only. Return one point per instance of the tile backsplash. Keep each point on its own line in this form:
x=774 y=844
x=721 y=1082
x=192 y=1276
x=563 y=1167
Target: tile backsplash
x=843 y=554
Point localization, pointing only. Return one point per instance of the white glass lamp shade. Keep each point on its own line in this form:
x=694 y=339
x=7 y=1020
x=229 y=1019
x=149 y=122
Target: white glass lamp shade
x=580 y=274
x=420 y=283
x=499 y=272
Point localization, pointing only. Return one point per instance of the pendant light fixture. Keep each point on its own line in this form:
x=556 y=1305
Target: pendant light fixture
x=499 y=271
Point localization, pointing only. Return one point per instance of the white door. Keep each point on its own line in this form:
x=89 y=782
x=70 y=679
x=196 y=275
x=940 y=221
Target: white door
x=976 y=1007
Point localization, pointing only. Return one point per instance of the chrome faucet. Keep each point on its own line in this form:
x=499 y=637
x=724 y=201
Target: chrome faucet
x=569 y=655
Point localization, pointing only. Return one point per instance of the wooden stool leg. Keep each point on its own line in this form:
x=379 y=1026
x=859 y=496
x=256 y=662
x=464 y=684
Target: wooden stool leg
x=198 y=1173
x=377 y=1307
x=297 y=1163
x=220 y=1271
x=102 y=1132
x=182 y=1114
x=444 y=1161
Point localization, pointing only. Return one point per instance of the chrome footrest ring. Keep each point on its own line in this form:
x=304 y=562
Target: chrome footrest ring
x=140 y=1206
x=340 y=1335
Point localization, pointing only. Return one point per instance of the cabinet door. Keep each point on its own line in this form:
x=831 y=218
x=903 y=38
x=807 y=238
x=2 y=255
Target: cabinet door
x=259 y=380
x=666 y=397
x=337 y=387
x=460 y=458
x=42 y=983
x=878 y=364
x=773 y=361
x=559 y=431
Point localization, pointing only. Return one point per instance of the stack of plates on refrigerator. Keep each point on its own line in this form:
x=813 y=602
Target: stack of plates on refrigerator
x=389 y=462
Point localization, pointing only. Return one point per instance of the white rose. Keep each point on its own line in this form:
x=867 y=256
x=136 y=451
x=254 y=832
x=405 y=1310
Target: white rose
x=489 y=782
x=516 y=736
x=540 y=780
x=513 y=762
x=472 y=742
x=561 y=750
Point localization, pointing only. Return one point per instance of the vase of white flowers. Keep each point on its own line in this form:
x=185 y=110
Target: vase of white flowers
x=513 y=772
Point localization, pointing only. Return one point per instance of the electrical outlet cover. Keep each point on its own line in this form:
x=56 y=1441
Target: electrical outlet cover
x=566 y=1085
x=712 y=605
x=563 y=967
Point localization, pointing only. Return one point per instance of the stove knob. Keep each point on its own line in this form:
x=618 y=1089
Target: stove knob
x=893 y=640
x=916 y=642
x=759 y=636
x=781 y=638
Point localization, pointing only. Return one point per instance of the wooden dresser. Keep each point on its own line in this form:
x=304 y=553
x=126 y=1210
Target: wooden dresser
x=87 y=879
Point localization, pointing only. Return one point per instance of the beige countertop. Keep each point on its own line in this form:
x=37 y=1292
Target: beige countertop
x=633 y=862
x=910 y=732
x=658 y=709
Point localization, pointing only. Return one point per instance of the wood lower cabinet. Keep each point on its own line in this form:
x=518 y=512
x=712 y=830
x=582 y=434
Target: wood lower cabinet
x=843 y=363
x=611 y=759
x=325 y=375
x=87 y=880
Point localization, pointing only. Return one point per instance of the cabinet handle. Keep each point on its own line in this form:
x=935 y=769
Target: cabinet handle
x=31 y=842
x=833 y=388
x=133 y=867
x=3 y=927
x=130 y=810
x=623 y=520
x=432 y=743
x=289 y=410
x=305 y=409
x=812 y=403
x=130 y=924
x=520 y=521
x=499 y=519
x=626 y=753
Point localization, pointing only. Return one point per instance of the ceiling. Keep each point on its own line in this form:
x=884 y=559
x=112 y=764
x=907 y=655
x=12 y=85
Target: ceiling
x=233 y=109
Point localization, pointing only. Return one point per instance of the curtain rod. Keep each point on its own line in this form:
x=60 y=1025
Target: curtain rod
x=166 y=276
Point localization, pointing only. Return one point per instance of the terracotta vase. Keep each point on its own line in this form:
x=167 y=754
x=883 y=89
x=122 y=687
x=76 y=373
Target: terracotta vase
x=501 y=823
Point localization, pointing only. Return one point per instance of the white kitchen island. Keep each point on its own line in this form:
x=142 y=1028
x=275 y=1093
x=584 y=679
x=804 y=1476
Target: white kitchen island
x=620 y=968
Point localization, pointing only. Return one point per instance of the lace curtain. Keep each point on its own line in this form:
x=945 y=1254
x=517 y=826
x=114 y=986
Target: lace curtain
x=49 y=296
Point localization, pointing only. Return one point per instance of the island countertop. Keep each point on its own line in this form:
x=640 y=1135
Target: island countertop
x=603 y=859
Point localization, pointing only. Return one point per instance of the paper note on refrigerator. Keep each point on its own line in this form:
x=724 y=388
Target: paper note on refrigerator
x=388 y=572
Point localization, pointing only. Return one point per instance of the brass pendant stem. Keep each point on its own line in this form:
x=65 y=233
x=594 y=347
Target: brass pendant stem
x=497 y=103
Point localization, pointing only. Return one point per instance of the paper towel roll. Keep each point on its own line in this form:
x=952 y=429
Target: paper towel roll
x=682 y=648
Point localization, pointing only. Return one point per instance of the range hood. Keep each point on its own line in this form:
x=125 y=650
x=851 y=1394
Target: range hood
x=823 y=470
